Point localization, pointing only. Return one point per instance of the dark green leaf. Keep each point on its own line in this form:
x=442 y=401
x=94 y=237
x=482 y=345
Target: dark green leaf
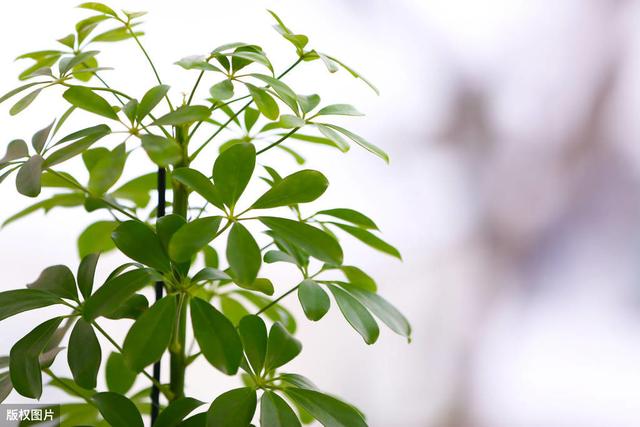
x=243 y=254
x=357 y=315
x=150 y=335
x=232 y=309
x=248 y=56
x=28 y=178
x=184 y=115
x=209 y=273
x=150 y=100
x=84 y=355
x=96 y=238
x=275 y=312
x=58 y=280
x=117 y=410
x=167 y=226
x=162 y=151
x=114 y=292
x=176 y=411
x=192 y=237
x=5 y=386
x=119 y=377
x=351 y=216
x=88 y=100
x=107 y=170
x=314 y=241
x=24 y=365
x=86 y=274
x=275 y=412
x=259 y=285
x=131 y=308
x=198 y=420
x=232 y=171
x=300 y=187
x=278 y=256
x=234 y=408
x=297 y=380
x=216 y=336
x=282 y=347
x=200 y=184
x=370 y=239
x=138 y=241
x=314 y=300
x=265 y=102
x=326 y=409
x=253 y=333
x=20 y=300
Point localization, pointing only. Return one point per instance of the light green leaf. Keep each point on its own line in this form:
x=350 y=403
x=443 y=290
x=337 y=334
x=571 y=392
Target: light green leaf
x=98 y=7
x=276 y=412
x=116 y=35
x=115 y=292
x=234 y=408
x=209 y=273
x=17 y=90
x=88 y=100
x=28 y=179
x=40 y=138
x=265 y=102
x=16 y=149
x=24 y=102
x=285 y=93
x=192 y=237
x=106 y=172
x=84 y=355
x=243 y=254
x=117 y=410
x=119 y=377
x=253 y=333
x=162 y=151
x=222 y=90
x=314 y=300
x=92 y=136
x=150 y=100
x=20 y=300
x=96 y=238
x=232 y=171
x=232 y=309
x=58 y=280
x=359 y=278
x=150 y=335
x=308 y=102
x=352 y=216
x=339 y=110
x=369 y=239
x=282 y=347
x=300 y=187
x=334 y=136
x=138 y=241
x=326 y=409
x=167 y=226
x=199 y=183
x=357 y=315
x=278 y=256
x=216 y=336
x=361 y=142
x=86 y=273
x=288 y=121
x=184 y=115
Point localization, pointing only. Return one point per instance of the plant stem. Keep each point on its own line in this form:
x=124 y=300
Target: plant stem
x=67 y=386
x=270 y=146
x=277 y=300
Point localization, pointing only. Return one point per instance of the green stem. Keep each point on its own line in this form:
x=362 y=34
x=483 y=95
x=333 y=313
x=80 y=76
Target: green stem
x=277 y=300
x=67 y=386
x=270 y=146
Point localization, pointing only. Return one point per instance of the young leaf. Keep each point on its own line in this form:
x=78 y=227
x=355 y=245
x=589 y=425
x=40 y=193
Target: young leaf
x=357 y=315
x=216 y=336
x=276 y=412
x=232 y=171
x=58 y=280
x=184 y=115
x=150 y=100
x=28 y=179
x=162 y=151
x=115 y=292
x=222 y=90
x=119 y=377
x=88 y=100
x=308 y=102
x=24 y=365
x=19 y=300
x=96 y=238
x=253 y=333
x=98 y=7
x=176 y=411
x=150 y=335
x=339 y=110
x=282 y=347
x=84 y=355
x=335 y=137
x=199 y=183
x=16 y=149
x=370 y=239
x=117 y=410
x=352 y=216
x=192 y=237
x=316 y=242
x=278 y=256
x=285 y=93
x=234 y=408
x=326 y=409
x=86 y=273
x=265 y=102
x=314 y=300
x=138 y=241
x=300 y=187
x=243 y=254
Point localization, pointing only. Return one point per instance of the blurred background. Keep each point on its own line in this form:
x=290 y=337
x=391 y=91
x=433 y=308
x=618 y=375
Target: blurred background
x=513 y=193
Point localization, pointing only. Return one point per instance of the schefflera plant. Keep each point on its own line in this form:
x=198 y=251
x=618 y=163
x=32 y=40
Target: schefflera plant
x=237 y=326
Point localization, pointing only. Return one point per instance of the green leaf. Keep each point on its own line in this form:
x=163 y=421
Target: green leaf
x=351 y=71
x=119 y=377
x=282 y=347
x=383 y=310
x=326 y=409
x=131 y=109
x=192 y=237
x=184 y=115
x=334 y=136
x=198 y=420
x=19 y=300
x=98 y=7
x=243 y=254
x=107 y=170
x=352 y=216
x=28 y=178
x=137 y=190
x=275 y=312
x=199 y=183
x=40 y=138
x=90 y=131
x=131 y=308
x=150 y=100
x=96 y=238
x=285 y=93
x=308 y=102
x=359 y=278
x=162 y=151
x=361 y=142
x=77 y=147
x=300 y=187
x=276 y=412
x=138 y=241
x=176 y=411
x=24 y=364
x=251 y=116
x=58 y=280
x=150 y=335
x=297 y=380
x=67 y=63
x=197 y=62
x=314 y=300
x=114 y=292
x=5 y=386
x=339 y=110
x=86 y=273
x=84 y=355
x=16 y=149
x=234 y=408
x=265 y=102
x=222 y=90
x=216 y=336
x=209 y=273
x=259 y=285
x=232 y=309
x=116 y=35
x=357 y=315
x=117 y=410
x=278 y=256
x=288 y=121
x=23 y=103
x=88 y=100
x=253 y=333
x=369 y=239
x=232 y=171
x=167 y=226
x=316 y=242
x=17 y=90
x=241 y=58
